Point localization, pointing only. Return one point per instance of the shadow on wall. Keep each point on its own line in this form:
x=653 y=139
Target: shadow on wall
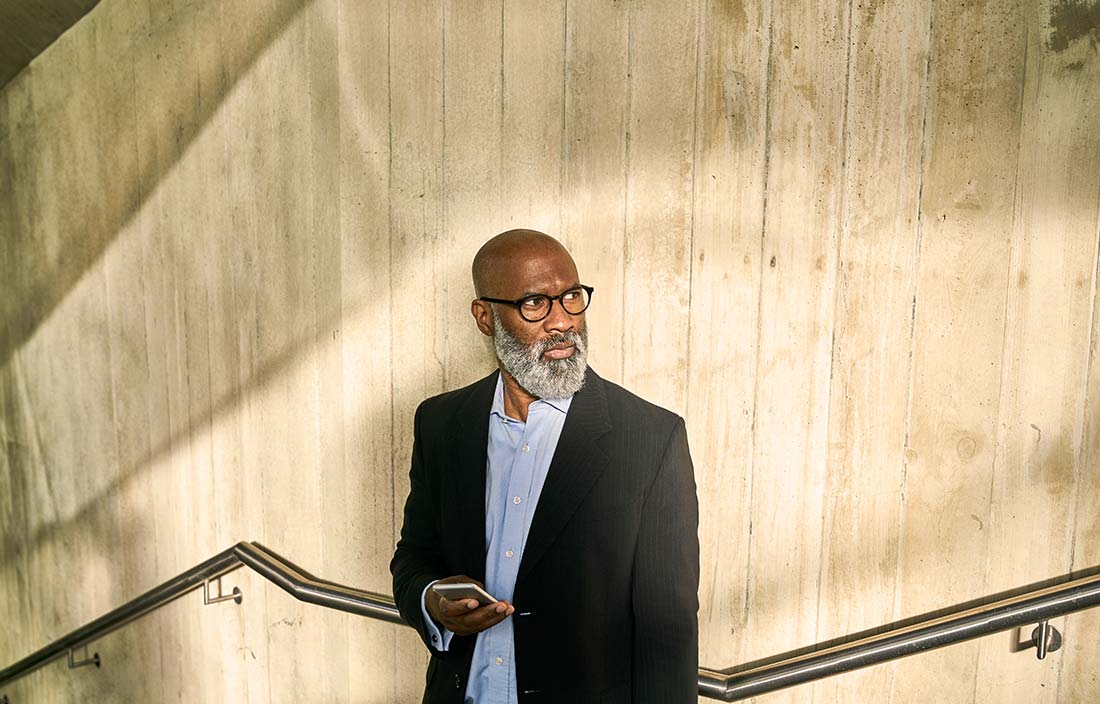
x=141 y=148
x=278 y=294
x=37 y=280
x=232 y=287
x=134 y=145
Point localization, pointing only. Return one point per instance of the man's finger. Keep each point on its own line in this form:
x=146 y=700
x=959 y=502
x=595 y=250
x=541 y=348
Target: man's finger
x=479 y=619
x=448 y=607
x=461 y=612
x=489 y=615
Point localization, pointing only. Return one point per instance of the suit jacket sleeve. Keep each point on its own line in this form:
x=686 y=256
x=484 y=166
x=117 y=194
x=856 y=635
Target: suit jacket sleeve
x=666 y=582
x=417 y=560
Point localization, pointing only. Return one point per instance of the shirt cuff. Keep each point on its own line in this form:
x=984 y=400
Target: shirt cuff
x=441 y=639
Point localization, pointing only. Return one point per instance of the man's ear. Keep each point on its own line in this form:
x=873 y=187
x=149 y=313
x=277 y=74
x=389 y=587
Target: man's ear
x=483 y=316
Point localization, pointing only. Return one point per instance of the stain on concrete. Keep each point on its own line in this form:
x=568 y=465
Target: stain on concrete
x=1071 y=20
x=1055 y=471
x=869 y=9
x=966 y=448
x=735 y=103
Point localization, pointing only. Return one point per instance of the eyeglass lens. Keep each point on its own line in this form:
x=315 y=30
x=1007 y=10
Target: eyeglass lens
x=536 y=308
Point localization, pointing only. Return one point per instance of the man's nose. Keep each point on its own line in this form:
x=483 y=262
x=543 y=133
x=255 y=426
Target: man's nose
x=559 y=320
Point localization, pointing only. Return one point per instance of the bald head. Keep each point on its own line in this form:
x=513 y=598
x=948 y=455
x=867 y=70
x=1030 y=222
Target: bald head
x=504 y=264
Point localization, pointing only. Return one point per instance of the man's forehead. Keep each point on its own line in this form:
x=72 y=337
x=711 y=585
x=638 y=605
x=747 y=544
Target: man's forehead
x=519 y=262
x=541 y=272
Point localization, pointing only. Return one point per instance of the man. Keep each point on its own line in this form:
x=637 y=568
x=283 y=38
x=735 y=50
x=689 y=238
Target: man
x=569 y=499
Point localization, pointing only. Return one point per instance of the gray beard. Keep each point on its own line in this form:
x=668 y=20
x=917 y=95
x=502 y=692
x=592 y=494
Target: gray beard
x=555 y=378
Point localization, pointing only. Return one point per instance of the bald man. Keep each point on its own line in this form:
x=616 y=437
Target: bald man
x=566 y=498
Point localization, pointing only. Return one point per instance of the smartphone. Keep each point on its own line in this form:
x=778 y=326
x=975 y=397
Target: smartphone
x=464 y=590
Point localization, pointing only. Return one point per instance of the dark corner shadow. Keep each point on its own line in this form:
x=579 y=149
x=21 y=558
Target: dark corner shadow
x=911 y=621
x=34 y=289
x=33 y=28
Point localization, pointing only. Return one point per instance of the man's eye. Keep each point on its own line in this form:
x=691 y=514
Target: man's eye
x=532 y=303
x=571 y=295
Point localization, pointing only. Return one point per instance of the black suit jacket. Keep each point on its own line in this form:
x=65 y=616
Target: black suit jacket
x=607 y=593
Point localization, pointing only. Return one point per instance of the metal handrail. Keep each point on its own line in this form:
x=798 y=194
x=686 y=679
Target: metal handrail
x=295 y=581
x=1030 y=606
x=1033 y=606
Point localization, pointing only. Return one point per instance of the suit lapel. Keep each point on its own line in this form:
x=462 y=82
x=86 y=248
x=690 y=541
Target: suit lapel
x=467 y=474
x=578 y=462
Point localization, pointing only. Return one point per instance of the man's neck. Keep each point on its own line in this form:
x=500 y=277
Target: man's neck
x=516 y=400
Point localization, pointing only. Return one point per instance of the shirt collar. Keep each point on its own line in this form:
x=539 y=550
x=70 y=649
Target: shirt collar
x=558 y=404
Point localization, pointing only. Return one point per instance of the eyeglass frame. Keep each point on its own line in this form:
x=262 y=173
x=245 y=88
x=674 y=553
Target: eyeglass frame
x=550 y=309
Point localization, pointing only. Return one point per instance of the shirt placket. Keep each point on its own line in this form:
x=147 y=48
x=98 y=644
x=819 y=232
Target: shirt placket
x=515 y=513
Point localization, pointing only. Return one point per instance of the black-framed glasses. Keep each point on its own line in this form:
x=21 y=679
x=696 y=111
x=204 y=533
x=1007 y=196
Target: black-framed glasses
x=536 y=307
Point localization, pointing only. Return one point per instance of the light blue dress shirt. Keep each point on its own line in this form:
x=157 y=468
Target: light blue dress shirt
x=518 y=461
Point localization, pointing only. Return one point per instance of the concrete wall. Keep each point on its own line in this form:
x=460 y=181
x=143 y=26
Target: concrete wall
x=855 y=244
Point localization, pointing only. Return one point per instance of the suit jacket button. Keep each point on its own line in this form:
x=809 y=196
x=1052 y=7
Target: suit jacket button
x=458 y=682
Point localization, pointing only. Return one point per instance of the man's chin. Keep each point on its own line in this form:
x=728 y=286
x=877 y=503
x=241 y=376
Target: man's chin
x=567 y=373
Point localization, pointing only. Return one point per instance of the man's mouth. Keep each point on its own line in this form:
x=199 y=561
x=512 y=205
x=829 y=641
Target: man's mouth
x=561 y=351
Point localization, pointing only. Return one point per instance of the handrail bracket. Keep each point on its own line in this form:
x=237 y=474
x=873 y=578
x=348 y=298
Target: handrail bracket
x=207 y=599
x=1046 y=639
x=73 y=664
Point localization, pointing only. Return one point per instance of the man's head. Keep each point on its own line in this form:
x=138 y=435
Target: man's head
x=546 y=356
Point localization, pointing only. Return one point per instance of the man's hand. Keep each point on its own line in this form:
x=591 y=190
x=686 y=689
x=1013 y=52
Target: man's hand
x=463 y=616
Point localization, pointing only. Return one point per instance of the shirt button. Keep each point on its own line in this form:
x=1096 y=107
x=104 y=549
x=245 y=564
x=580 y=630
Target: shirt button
x=517 y=500
x=507 y=553
x=435 y=638
x=526 y=448
x=500 y=661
